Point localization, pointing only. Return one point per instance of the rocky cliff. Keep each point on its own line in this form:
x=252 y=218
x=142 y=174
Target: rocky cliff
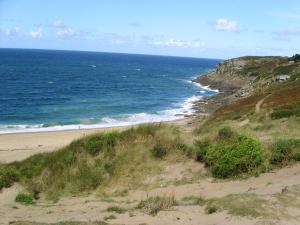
x=242 y=77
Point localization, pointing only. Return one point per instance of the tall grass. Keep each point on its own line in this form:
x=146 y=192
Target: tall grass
x=94 y=161
x=153 y=205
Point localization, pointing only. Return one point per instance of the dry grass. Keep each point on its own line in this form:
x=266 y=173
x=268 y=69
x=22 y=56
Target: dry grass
x=153 y=205
x=99 y=161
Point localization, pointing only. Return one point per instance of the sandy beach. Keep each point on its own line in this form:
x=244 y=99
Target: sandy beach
x=18 y=146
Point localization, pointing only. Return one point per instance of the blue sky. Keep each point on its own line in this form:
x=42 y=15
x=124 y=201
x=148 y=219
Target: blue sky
x=208 y=28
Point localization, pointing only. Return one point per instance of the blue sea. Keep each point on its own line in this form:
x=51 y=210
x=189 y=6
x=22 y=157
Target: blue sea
x=44 y=90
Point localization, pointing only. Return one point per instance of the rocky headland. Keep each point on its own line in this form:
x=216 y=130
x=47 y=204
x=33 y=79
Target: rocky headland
x=241 y=77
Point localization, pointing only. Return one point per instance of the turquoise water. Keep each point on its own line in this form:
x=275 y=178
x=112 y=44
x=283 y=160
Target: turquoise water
x=45 y=90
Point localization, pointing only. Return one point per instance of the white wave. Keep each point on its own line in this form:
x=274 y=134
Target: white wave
x=94 y=66
x=178 y=112
x=207 y=88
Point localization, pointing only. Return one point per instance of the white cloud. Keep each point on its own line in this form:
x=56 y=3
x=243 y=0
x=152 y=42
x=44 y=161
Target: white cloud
x=58 y=24
x=37 y=34
x=180 y=43
x=11 y=32
x=66 y=32
x=225 y=25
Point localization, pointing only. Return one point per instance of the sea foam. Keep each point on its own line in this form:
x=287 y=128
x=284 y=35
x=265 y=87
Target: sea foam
x=179 y=111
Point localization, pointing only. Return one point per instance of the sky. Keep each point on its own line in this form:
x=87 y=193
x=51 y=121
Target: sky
x=194 y=28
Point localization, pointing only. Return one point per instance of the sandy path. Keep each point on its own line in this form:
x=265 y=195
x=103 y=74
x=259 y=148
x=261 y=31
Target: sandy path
x=91 y=208
x=259 y=104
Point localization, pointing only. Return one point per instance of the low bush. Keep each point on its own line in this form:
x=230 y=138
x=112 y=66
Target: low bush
x=185 y=149
x=284 y=112
x=8 y=175
x=225 y=132
x=295 y=57
x=201 y=149
x=159 y=151
x=101 y=142
x=153 y=205
x=230 y=157
x=296 y=156
x=116 y=209
x=295 y=76
x=211 y=209
x=284 y=150
x=25 y=199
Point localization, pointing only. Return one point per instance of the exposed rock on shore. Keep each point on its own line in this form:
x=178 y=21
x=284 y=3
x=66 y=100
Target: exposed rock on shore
x=238 y=78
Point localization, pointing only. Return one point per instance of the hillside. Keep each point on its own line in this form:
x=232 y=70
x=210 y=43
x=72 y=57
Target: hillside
x=243 y=77
x=236 y=162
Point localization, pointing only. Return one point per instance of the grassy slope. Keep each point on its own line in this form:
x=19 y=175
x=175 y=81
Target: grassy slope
x=115 y=161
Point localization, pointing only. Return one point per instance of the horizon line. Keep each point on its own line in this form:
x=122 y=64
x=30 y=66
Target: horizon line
x=91 y=51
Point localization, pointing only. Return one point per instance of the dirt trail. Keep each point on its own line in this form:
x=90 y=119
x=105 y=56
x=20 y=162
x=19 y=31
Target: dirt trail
x=259 y=104
x=92 y=208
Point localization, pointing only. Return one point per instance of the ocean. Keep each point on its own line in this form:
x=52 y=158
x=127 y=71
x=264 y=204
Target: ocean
x=45 y=90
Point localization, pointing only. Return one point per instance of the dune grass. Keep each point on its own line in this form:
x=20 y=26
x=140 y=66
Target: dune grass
x=25 y=199
x=115 y=158
x=153 y=205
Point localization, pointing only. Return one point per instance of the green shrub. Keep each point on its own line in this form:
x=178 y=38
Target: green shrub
x=25 y=199
x=284 y=112
x=8 y=176
x=153 y=205
x=296 y=156
x=295 y=76
x=284 y=69
x=283 y=151
x=101 y=142
x=201 y=149
x=159 y=151
x=86 y=177
x=211 y=209
x=231 y=157
x=116 y=209
x=185 y=149
x=295 y=57
x=225 y=132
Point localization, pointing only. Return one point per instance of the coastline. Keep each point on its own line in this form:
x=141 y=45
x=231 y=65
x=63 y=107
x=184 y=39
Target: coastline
x=39 y=141
x=228 y=79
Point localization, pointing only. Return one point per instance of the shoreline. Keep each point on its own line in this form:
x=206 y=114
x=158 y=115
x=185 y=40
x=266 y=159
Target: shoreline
x=16 y=146
x=178 y=112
